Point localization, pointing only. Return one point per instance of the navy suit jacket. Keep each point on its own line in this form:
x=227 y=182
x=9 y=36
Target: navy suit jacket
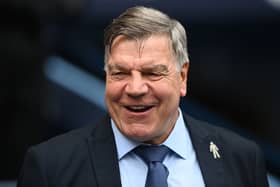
x=87 y=157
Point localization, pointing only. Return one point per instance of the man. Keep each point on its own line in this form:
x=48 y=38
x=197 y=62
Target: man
x=146 y=65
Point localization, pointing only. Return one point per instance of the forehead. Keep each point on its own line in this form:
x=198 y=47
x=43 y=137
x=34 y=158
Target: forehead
x=152 y=47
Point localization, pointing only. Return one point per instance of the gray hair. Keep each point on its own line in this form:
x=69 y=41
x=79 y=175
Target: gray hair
x=140 y=22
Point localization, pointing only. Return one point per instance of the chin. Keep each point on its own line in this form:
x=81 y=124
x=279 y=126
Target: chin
x=140 y=135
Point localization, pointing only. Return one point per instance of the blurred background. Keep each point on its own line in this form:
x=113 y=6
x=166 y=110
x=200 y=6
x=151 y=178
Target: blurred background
x=52 y=77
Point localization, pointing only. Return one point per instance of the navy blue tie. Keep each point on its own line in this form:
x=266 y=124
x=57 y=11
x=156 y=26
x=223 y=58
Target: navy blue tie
x=153 y=157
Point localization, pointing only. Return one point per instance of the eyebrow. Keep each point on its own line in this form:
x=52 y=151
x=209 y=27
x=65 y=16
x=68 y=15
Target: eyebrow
x=145 y=68
x=155 y=68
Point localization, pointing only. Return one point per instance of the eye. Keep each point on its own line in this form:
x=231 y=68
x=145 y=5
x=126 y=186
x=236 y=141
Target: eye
x=153 y=75
x=118 y=75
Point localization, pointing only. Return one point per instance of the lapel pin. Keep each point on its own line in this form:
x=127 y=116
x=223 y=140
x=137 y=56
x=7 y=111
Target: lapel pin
x=214 y=150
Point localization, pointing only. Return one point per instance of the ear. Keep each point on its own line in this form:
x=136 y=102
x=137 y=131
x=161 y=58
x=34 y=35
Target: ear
x=184 y=79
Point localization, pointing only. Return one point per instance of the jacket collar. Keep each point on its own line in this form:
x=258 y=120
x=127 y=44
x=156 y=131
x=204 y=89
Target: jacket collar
x=103 y=154
x=201 y=135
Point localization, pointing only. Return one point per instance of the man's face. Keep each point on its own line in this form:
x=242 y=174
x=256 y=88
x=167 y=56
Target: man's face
x=143 y=87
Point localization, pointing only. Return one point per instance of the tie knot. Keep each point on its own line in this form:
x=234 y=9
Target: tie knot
x=152 y=153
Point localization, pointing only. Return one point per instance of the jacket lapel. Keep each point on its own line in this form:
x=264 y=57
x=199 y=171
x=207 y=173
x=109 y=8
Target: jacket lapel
x=104 y=155
x=212 y=169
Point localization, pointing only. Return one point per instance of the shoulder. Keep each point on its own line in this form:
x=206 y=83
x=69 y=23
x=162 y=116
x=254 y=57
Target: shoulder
x=73 y=144
x=50 y=162
x=242 y=158
x=62 y=146
x=227 y=139
x=68 y=139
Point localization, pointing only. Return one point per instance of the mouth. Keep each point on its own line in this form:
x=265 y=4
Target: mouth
x=138 y=108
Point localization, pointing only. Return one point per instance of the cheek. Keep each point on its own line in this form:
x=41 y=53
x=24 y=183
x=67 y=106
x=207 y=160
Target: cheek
x=167 y=89
x=113 y=91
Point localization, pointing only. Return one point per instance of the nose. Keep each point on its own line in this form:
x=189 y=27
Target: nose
x=136 y=85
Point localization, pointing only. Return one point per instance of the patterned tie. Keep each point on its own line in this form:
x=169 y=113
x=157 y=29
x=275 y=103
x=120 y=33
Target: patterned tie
x=153 y=156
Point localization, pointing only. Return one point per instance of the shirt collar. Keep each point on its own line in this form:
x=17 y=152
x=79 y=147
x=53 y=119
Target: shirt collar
x=123 y=143
x=178 y=141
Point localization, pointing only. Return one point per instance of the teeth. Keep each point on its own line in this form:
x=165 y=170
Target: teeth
x=137 y=107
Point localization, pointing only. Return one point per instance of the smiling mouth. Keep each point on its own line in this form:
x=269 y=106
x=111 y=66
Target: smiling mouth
x=138 y=108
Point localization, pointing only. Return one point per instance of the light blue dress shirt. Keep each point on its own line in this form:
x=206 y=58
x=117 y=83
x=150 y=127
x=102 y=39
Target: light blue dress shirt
x=184 y=170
